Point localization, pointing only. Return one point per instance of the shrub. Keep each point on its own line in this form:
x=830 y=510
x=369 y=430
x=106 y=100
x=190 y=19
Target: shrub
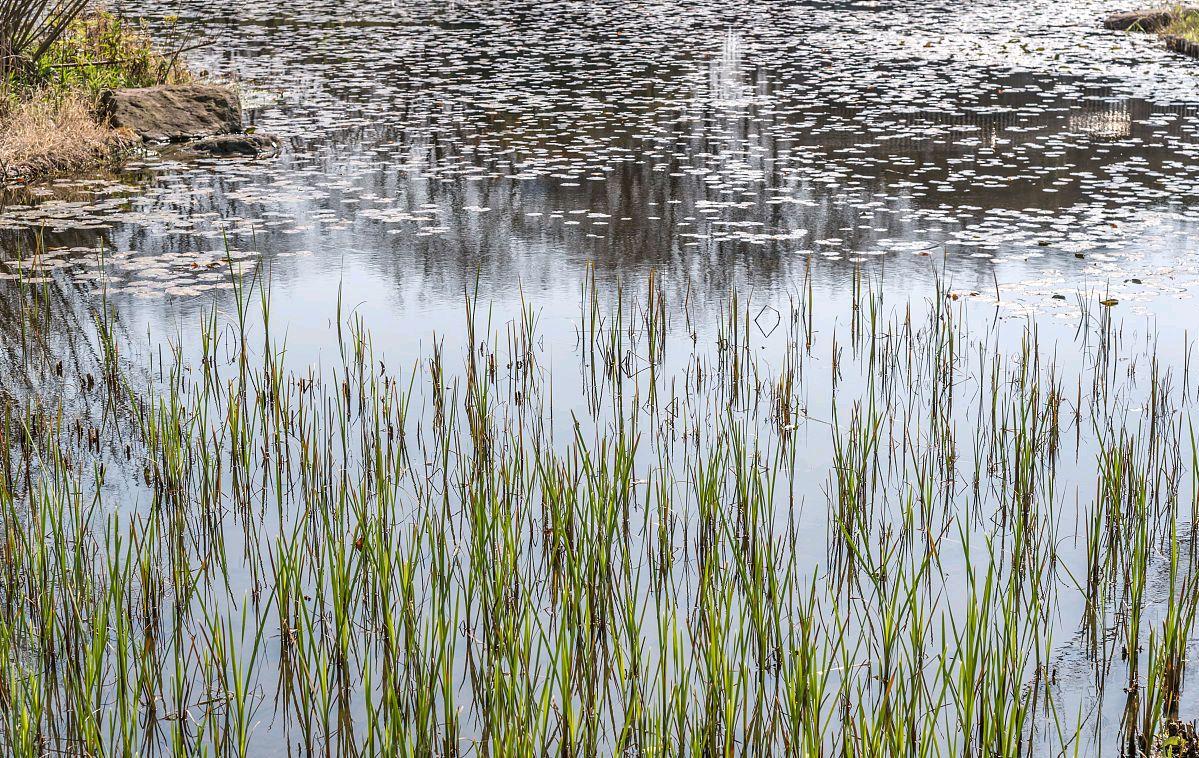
x=100 y=50
x=29 y=28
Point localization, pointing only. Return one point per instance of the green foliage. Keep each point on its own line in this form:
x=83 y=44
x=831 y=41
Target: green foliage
x=102 y=51
x=420 y=562
x=96 y=51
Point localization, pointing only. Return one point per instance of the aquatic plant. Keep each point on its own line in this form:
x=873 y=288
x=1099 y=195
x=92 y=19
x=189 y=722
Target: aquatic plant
x=206 y=548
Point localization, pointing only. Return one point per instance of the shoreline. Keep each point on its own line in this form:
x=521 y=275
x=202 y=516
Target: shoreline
x=51 y=120
x=1176 y=26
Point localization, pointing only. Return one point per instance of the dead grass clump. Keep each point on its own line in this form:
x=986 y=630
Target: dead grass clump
x=54 y=132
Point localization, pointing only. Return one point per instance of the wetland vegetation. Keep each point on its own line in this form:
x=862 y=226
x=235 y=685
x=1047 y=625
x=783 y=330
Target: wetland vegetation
x=611 y=378
x=375 y=558
x=1185 y=26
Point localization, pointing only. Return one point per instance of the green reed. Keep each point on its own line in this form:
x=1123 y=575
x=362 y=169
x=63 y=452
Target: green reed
x=735 y=537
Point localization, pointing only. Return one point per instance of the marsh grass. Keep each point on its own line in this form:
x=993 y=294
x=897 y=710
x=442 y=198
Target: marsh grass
x=898 y=534
x=55 y=132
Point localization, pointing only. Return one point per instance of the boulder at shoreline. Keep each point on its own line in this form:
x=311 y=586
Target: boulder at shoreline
x=174 y=113
x=253 y=145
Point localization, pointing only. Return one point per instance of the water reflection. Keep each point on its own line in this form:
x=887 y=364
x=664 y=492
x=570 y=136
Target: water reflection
x=527 y=141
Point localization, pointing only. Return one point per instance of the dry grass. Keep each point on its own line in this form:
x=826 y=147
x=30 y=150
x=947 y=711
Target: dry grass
x=52 y=133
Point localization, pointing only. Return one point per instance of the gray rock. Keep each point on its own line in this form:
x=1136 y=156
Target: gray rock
x=1144 y=21
x=253 y=145
x=174 y=113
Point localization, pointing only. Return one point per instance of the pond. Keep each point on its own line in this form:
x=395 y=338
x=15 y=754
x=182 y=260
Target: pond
x=600 y=377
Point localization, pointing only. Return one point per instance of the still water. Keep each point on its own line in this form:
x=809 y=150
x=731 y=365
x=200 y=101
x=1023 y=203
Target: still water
x=1008 y=145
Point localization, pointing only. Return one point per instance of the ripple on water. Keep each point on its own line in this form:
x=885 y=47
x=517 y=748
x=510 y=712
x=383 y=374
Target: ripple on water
x=1006 y=142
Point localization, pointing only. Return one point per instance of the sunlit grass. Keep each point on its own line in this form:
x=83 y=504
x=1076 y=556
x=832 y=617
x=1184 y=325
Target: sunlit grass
x=855 y=543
